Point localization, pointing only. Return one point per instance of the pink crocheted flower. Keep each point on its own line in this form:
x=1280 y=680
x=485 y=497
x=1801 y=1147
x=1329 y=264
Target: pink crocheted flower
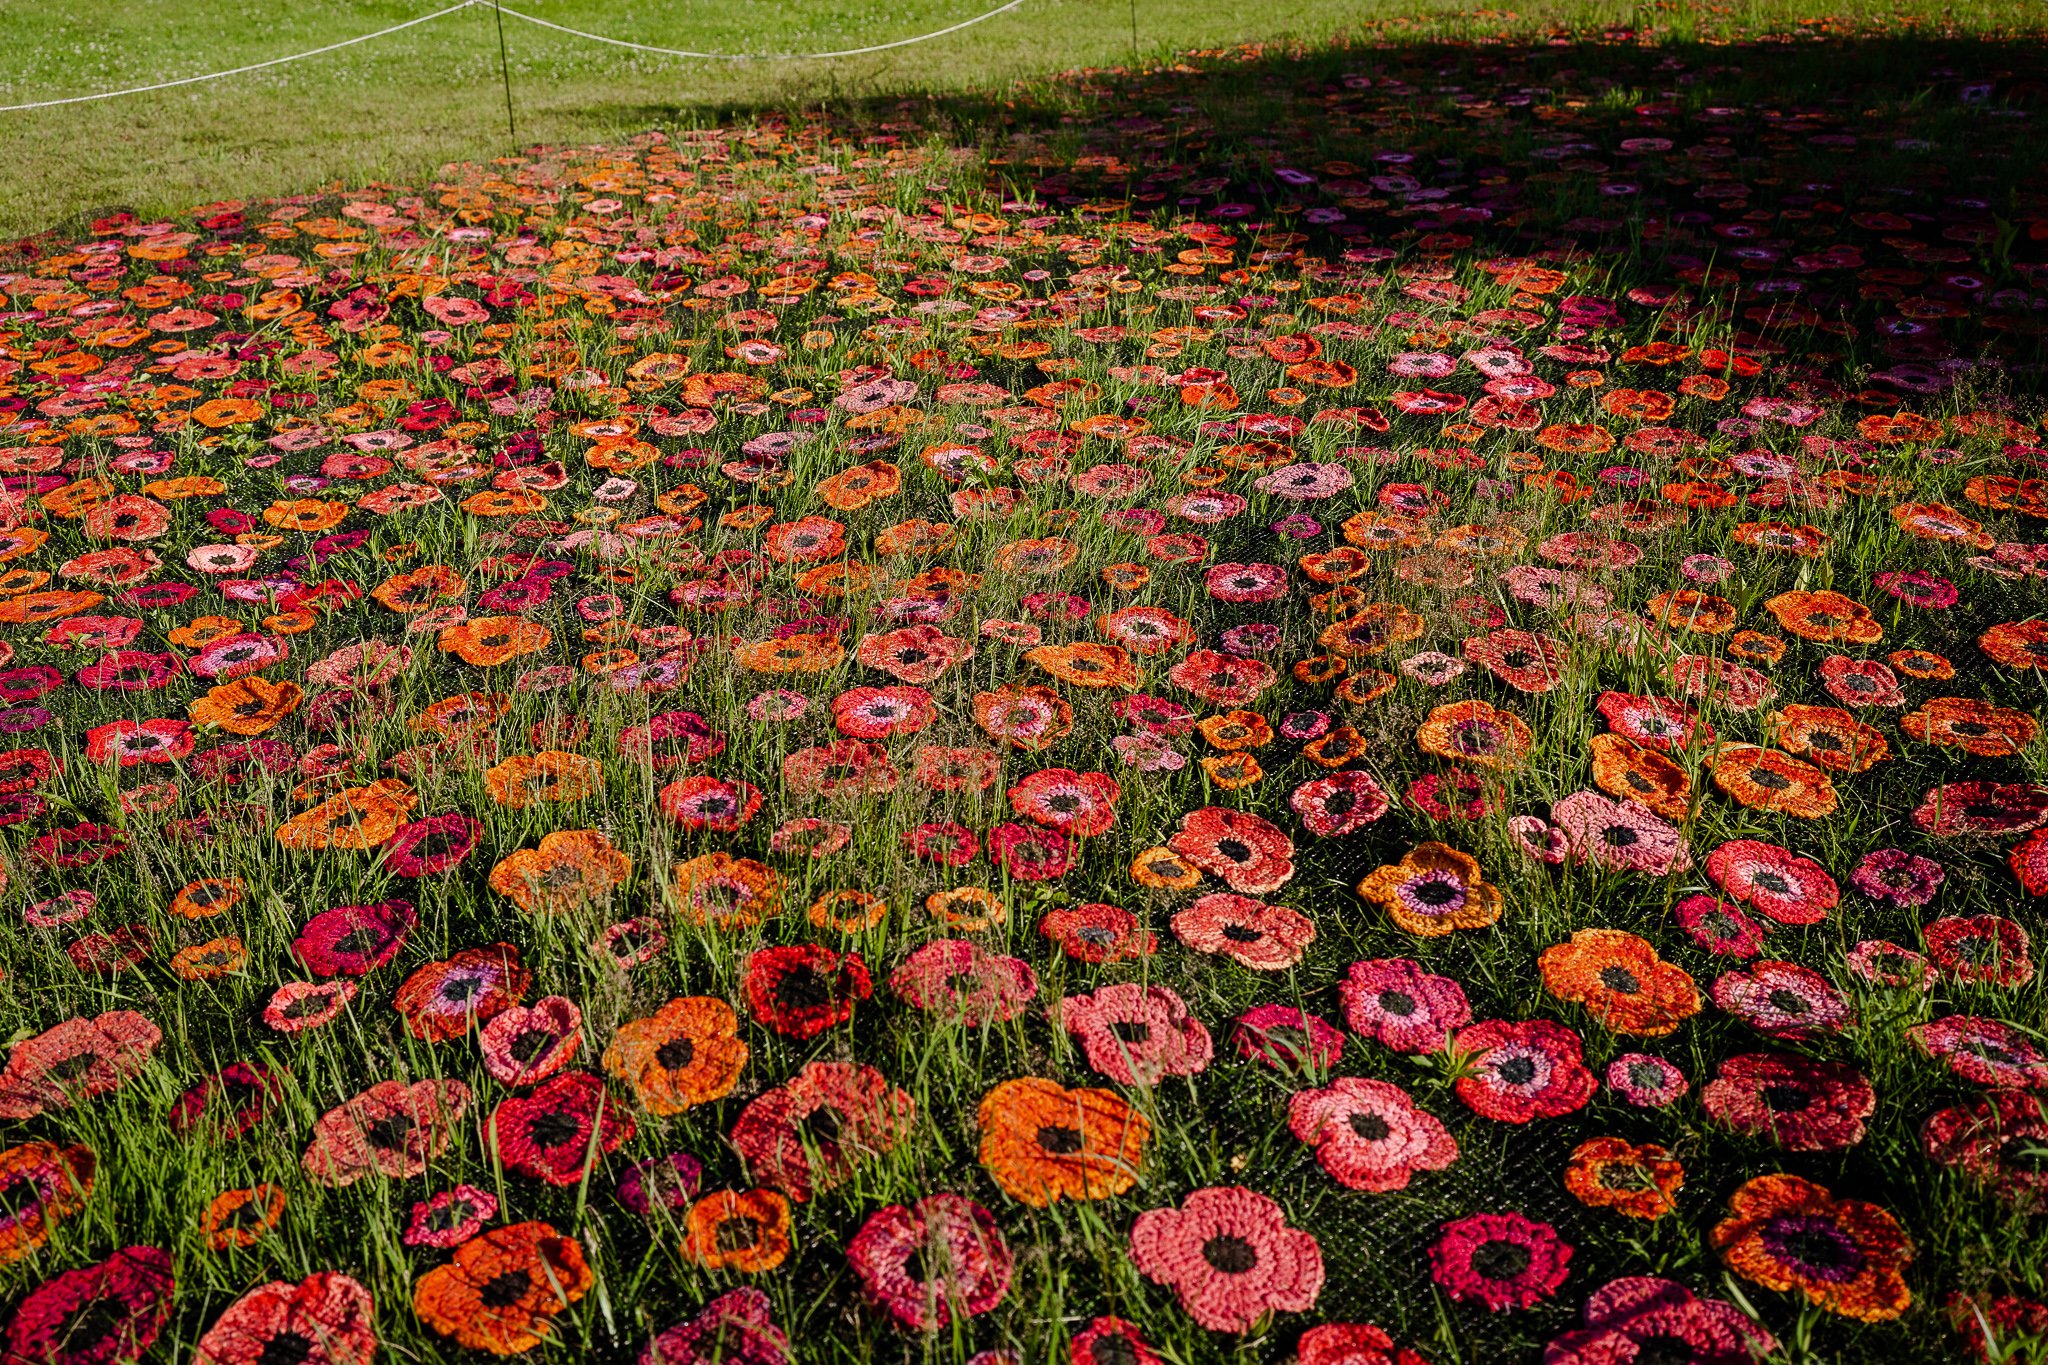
x=1229 y=1254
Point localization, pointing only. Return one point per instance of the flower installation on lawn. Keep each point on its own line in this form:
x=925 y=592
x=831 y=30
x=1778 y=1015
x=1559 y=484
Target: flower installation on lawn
x=1237 y=727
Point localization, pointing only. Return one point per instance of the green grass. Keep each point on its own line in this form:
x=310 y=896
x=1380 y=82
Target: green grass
x=1098 y=146
x=397 y=108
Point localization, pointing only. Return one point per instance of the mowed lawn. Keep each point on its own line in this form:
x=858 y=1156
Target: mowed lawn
x=399 y=107
x=403 y=105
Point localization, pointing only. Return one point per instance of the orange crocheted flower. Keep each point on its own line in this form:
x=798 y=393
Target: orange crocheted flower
x=1609 y=1173
x=502 y=1287
x=1621 y=981
x=687 y=1053
x=1433 y=890
x=1846 y=1256
x=1042 y=1142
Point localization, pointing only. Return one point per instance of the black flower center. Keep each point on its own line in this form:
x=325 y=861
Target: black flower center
x=506 y=1288
x=1059 y=1139
x=1230 y=1255
x=736 y=1234
x=1371 y=1127
x=1500 y=1259
x=1516 y=1071
x=286 y=1348
x=555 y=1128
x=1620 y=980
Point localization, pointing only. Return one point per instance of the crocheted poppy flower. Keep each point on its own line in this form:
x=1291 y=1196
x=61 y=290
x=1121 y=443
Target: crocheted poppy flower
x=556 y=1133
x=228 y=1103
x=1654 y=722
x=502 y=1290
x=1992 y=1326
x=701 y=802
x=1369 y=1135
x=445 y=999
x=76 y=1060
x=48 y=1184
x=1287 y=1039
x=1137 y=1034
x=1773 y=881
x=661 y=1185
x=803 y=989
x=1097 y=933
x=1265 y=938
x=1340 y=804
x=955 y=979
x=391 y=1129
x=354 y=940
x=325 y=1319
x=1400 y=1005
x=1783 y=1000
x=1802 y=1104
x=108 y=1313
x=687 y=1053
x=2029 y=863
x=1635 y=1181
x=1477 y=733
x=1981 y=948
x=1897 y=877
x=810 y=1132
x=744 y=1230
x=1110 y=1341
x=450 y=1218
x=1525 y=660
x=1883 y=963
x=1030 y=853
x=1844 y=1255
x=1076 y=804
x=1042 y=1142
x=1230 y=1256
x=527 y=1044
x=736 y=1328
x=1433 y=890
x=1982 y=808
x=1619 y=835
x=1629 y=1318
x=1242 y=584
x=1620 y=981
x=1253 y=856
x=298 y=1006
x=937 y=1260
x=1499 y=1260
x=881 y=712
x=430 y=847
x=1522 y=1071
x=1351 y=1343
x=1222 y=679
x=1024 y=717
x=1984 y=1051
x=1993 y=1141
x=1719 y=926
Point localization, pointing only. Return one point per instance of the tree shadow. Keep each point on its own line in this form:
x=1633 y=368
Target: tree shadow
x=1881 y=189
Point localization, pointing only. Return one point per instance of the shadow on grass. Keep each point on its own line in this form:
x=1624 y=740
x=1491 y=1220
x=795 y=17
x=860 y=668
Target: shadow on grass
x=1862 y=217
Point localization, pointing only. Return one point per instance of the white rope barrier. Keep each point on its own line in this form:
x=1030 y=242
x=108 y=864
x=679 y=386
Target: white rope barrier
x=242 y=70
x=538 y=22
x=748 y=56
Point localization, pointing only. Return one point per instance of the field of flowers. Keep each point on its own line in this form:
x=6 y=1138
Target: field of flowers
x=1371 y=706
